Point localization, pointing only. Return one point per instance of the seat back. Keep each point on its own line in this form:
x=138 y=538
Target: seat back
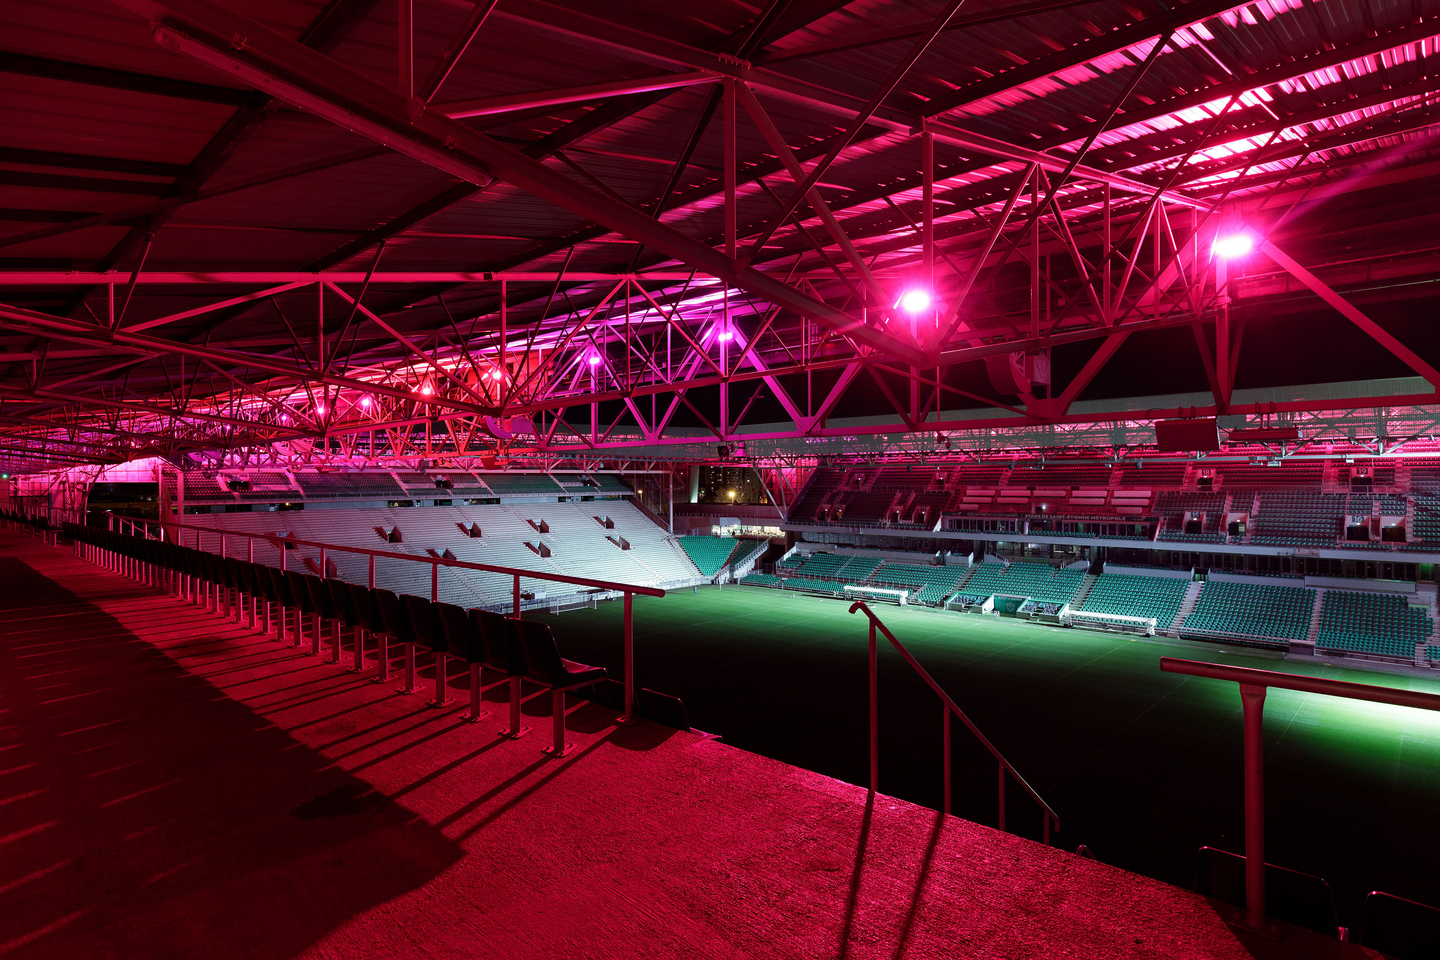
x=320 y=600
x=541 y=655
x=424 y=622
x=281 y=584
x=300 y=591
x=462 y=634
x=362 y=602
x=394 y=621
x=499 y=642
x=1400 y=928
x=1292 y=896
x=342 y=602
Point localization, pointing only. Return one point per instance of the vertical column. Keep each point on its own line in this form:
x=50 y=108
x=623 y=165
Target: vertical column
x=405 y=37
x=1252 y=699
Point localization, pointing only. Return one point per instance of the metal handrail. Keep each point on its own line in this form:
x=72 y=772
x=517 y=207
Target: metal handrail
x=1050 y=817
x=628 y=589
x=1253 y=683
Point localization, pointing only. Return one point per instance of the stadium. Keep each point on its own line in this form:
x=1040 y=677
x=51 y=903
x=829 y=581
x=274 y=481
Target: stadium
x=808 y=478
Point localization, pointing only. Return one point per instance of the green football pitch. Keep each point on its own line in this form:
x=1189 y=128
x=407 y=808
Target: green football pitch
x=1143 y=767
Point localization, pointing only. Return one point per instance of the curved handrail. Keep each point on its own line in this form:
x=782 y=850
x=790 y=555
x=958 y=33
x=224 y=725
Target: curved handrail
x=952 y=707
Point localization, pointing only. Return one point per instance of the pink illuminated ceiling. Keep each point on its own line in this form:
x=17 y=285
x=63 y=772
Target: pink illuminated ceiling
x=516 y=229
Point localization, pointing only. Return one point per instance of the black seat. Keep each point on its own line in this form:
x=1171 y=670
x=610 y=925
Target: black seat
x=1292 y=896
x=323 y=608
x=425 y=624
x=500 y=650
x=343 y=603
x=304 y=606
x=462 y=639
x=1400 y=928
x=545 y=666
x=367 y=612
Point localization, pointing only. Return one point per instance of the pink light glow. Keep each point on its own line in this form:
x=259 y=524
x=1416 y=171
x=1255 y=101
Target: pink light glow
x=426 y=390
x=914 y=301
x=726 y=335
x=1235 y=245
x=365 y=402
x=594 y=359
x=319 y=409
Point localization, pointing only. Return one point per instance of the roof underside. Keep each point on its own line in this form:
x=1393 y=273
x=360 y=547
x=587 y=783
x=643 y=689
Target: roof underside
x=181 y=253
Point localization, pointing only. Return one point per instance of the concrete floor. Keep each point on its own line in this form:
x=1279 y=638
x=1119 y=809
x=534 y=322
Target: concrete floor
x=172 y=785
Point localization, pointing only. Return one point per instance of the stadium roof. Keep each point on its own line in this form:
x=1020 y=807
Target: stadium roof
x=503 y=228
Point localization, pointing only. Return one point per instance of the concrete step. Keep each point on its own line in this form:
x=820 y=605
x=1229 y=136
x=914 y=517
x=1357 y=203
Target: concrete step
x=1187 y=606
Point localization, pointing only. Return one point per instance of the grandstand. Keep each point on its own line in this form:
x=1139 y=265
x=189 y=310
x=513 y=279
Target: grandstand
x=1137 y=596
x=1372 y=623
x=1258 y=613
x=371 y=372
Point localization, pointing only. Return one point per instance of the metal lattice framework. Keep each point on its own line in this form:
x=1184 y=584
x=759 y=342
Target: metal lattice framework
x=714 y=254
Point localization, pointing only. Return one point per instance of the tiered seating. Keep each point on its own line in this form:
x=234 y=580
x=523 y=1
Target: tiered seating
x=984 y=581
x=1426 y=525
x=205 y=486
x=812 y=586
x=330 y=486
x=1041 y=582
x=1376 y=623
x=934 y=583
x=1062 y=475
x=1173 y=505
x=1137 y=596
x=1306 y=473
x=1152 y=475
x=790 y=564
x=987 y=475
x=1362 y=505
x=859 y=569
x=708 y=553
x=609 y=483
x=822 y=482
x=823 y=566
x=1298 y=518
x=1263 y=612
x=1422 y=480
x=761 y=580
x=522 y=484
x=865 y=505
x=578 y=544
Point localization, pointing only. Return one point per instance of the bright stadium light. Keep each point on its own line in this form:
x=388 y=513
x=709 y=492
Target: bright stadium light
x=594 y=359
x=1234 y=245
x=319 y=409
x=726 y=335
x=915 y=300
x=426 y=390
x=365 y=401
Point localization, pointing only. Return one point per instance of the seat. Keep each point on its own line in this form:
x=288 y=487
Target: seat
x=343 y=603
x=322 y=605
x=545 y=666
x=428 y=632
x=367 y=613
x=462 y=639
x=392 y=624
x=500 y=651
x=304 y=606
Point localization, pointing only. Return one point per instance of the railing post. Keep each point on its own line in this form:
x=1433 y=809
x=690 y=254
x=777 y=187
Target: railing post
x=1252 y=699
x=1001 y=765
x=874 y=717
x=372 y=571
x=435 y=582
x=515 y=612
x=629 y=661
x=946 y=707
x=323 y=565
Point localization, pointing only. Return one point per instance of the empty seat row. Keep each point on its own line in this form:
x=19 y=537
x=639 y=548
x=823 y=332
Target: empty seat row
x=518 y=649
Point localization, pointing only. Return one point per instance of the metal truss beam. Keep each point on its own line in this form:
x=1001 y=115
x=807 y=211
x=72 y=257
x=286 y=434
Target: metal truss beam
x=290 y=71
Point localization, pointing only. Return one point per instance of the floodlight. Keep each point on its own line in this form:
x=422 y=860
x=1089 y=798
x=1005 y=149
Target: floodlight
x=726 y=335
x=365 y=401
x=915 y=300
x=426 y=390
x=594 y=359
x=1233 y=245
x=319 y=409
